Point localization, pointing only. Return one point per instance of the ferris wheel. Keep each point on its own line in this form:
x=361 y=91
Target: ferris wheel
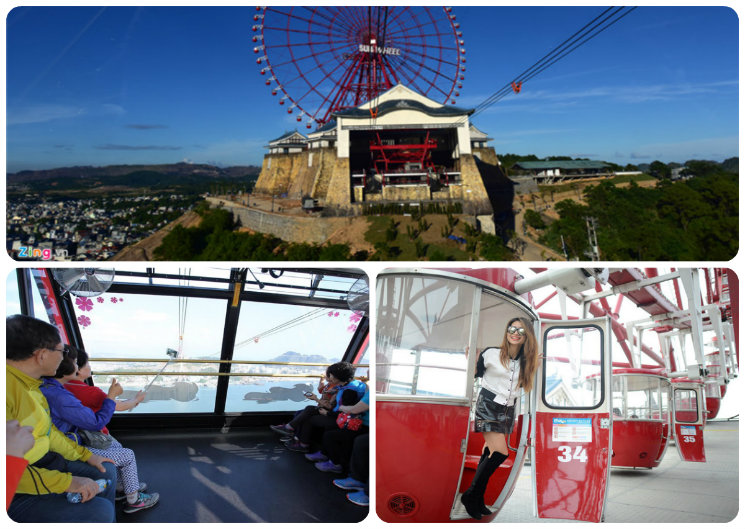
x=322 y=59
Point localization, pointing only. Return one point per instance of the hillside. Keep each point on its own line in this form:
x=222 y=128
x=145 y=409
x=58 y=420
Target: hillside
x=113 y=171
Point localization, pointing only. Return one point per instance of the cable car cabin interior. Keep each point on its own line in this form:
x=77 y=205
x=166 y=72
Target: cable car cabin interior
x=380 y=158
x=222 y=354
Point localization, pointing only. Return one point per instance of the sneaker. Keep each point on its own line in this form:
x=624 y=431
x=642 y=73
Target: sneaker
x=282 y=429
x=329 y=466
x=144 y=501
x=121 y=495
x=297 y=446
x=285 y=440
x=359 y=498
x=349 y=484
x=316 y=457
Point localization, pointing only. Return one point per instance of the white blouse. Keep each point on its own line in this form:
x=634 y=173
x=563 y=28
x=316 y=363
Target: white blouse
x=501 y=381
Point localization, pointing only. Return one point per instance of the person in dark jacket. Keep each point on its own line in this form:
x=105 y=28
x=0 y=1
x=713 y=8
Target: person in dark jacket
x=70 y=416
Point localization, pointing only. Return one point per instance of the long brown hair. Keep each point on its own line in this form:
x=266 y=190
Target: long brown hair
x=529 y=361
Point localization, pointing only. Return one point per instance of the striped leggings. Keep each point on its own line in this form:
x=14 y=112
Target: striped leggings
x=126 y=466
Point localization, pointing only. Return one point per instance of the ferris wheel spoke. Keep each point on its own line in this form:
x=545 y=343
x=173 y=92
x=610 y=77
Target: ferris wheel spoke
x=329 y=97
x=295 y=60
x=415 y=74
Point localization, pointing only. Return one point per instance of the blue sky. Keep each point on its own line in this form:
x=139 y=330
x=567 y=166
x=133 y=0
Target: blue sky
x=128 y=85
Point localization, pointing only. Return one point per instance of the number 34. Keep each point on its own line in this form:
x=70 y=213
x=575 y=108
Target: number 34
x=566 y=454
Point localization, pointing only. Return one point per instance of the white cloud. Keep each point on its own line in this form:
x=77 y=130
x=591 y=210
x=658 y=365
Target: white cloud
x=45 y=112
x=624 y=94
x=231 y=152
x=42 y=113
x=717 y=149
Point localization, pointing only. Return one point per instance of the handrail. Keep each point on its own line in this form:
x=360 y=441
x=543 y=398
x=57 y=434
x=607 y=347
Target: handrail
x=203 y=374
x=211 y=373
x=216 y=361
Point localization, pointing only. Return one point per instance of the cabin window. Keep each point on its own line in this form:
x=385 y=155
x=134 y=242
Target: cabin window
x=494 y=314
x=423 y=330
x=686 y=405
x=639 y=397
x=281 y=351
x=128 y=336
x=573 y=356
x=12 y=295
x=713 y=391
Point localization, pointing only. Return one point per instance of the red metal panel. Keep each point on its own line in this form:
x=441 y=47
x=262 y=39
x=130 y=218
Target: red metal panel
x=690 y=440
x=649 y=298
x=52 y=307
x=418 y=457
x=571 y=477
x=712 y=407
x=638 y=444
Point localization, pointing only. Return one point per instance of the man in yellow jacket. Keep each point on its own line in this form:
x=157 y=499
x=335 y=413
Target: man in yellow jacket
x=57 y=465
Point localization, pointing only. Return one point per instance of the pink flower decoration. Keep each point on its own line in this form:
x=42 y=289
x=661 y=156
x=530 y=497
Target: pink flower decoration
x=84 y=304
x=114 y=300
x=352 y=328
x=354 y=317
x=100 y=299
x=121 y=299
x=84 y=321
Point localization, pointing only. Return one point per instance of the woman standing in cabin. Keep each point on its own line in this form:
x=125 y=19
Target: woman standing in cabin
x=503 y=371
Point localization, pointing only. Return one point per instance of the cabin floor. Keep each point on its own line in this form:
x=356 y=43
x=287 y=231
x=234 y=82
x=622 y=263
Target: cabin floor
x=242 y=476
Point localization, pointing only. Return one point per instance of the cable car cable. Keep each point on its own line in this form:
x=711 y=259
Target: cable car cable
x=559 y=52
x=546 y=57
x=550 y=58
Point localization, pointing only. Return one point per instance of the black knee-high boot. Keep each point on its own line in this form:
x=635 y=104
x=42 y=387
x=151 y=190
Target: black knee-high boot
x=485 y=454
x=473 y=498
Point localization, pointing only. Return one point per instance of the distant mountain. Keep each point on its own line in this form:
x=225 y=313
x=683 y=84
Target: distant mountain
x=292 y=356
x=112 y=174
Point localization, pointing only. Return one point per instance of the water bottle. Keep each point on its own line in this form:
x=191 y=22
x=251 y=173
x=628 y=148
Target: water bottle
x=76 y=497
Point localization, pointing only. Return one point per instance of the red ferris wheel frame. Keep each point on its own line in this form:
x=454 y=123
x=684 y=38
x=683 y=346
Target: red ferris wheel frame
x=325 y=59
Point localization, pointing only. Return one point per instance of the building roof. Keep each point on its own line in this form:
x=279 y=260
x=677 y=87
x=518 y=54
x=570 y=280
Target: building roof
x=327 y=130
x=289 y=135
x=562 y=164
x=404 y=104
x=477 y=134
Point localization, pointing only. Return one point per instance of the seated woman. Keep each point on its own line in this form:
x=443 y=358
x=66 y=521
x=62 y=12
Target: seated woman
x=327 y=388
x=70 y=416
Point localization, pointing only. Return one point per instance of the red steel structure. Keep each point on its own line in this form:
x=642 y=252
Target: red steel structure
x=587 y=412
x=328 y=58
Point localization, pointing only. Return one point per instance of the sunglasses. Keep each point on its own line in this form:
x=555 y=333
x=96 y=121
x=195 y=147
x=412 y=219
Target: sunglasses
x=516 y=330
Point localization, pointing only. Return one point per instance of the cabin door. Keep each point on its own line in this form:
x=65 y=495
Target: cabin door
x=688 y=421
x=573 y=428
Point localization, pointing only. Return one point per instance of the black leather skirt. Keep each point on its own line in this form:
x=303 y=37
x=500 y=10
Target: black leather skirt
x=493 y=417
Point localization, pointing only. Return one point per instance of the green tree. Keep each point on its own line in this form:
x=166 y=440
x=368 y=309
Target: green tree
x=534 y=219
x=659 y=170
x=493 y=249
